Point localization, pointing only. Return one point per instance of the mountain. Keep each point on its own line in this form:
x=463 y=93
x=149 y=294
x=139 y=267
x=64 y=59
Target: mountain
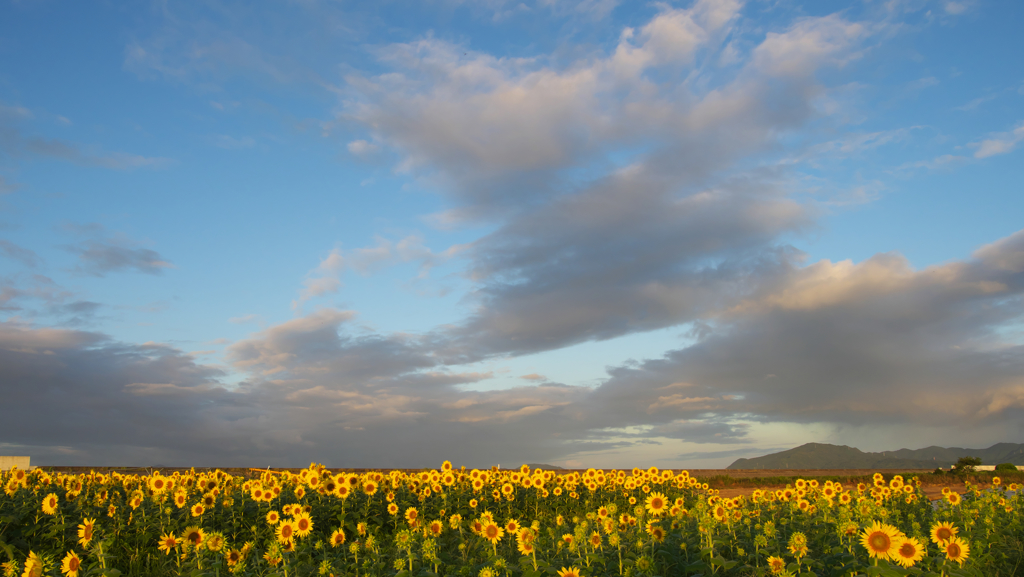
x=824 y=456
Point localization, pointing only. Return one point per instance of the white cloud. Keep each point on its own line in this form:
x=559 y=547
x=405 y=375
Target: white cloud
x=363 y=149
x=939 y=162
x=15 y=143
x=324 y=279
x=956 y=7
x=1001 y=143
x=808 y=45
x=100 y=254
x=497 y=134
x=15 y=112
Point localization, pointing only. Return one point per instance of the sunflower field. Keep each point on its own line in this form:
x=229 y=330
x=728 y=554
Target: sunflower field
x=496 y=523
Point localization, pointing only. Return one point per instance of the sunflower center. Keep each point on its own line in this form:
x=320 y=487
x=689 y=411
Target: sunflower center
x=944 y=534
x=879 y=542
x=907 y=550
x=953 y=550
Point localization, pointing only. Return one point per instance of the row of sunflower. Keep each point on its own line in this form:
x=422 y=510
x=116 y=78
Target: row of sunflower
x=496 y=523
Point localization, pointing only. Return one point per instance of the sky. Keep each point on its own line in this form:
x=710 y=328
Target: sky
x=583 y=233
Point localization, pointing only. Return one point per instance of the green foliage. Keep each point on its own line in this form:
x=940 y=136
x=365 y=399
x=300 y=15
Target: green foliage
x=966 y=464
x=1006 y=467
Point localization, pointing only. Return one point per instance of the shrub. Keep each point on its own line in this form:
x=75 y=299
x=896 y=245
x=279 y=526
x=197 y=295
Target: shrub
x=1006 y=467
x=966 y=464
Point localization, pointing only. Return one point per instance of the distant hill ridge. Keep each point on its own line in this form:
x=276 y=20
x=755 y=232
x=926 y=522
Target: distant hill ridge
x=824 y=456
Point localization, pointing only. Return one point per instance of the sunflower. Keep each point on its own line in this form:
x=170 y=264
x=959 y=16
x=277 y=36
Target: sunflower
x=234 y=557
x=908 y=551
x=656 y=532
x=194 y=535
x=880 y=540
x=71 y=565
x=492 y=533
x=957 y=550
x=157 y=483
x=273 y=517
x=953 y=497
x=168 y=542
x=50 y=504
x=85 y=532
x=33 y=565
x=943 y=532
x=656 y=504
x=477 y=527
x=411 y=515
x=570 y=572
x=798 y=544
x=526 y=548
x=180 y=498
x=392 y=509
x=777 y=564
x=285 y=531
x=215 y=542
x=303 y=524
x=338 y=538
x=511 y=526
x=198 y=510
x=435 y=528
x=721 y=514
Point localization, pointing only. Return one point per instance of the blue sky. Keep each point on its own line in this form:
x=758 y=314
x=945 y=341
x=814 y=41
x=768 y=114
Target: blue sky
x=580 y=232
